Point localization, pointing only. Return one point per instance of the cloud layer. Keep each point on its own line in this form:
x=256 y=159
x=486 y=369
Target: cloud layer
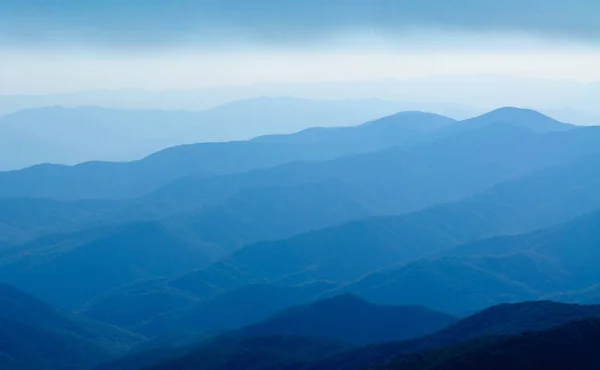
x=168 y=22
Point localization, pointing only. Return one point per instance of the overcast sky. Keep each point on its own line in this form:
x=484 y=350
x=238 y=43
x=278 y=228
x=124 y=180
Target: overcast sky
x=65 y=45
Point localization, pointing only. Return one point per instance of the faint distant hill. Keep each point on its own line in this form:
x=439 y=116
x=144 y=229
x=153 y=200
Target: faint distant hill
x=210 y=97
x=458 y=96
x=73 y=135
x=525 y=118
x=137 y=178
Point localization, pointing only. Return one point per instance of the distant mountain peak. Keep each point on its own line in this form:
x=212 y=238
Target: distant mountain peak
x=516 y=112
x=412 y=114
x=350 y=319
x=521 y=117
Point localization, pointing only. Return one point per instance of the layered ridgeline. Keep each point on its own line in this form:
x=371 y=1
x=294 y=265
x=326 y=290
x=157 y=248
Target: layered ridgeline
x=503 y=320
x=73 y=135
x=345 y=253
x=350 y=319
x=25 y=217
x=277 y=342
x=150 y=257
x=37 y=336
x=133 y=179
x=346 y=320
x=101 y=180
x=558 y=259
x=157 y=258
x=188 y=241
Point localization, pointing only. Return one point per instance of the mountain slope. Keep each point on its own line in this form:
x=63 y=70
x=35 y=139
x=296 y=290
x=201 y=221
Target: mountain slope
x=186 y=242
x=226 y=311
x=400 y=128
x=503 y=269
x=344 y=253
x=564 y=255
x=572 y=346
x=442 y=170
x=111 y=257
x=263 y=353
x=438 y=282
x=524 y=118
x=275 y=212
x=74 y=135
x=350 y=319
x=35 y=335
x=345 y=319
x=557 y=194
x=502 y=320
x=133 y=179
x=24 y=219
x=125 y=180
x=337 y=254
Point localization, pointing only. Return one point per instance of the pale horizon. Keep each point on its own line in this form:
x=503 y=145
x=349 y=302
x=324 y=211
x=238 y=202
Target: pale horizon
x=66 y=45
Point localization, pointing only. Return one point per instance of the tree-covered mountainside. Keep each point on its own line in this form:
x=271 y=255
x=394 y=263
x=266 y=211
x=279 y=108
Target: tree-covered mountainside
x=34 y=335
x=497 y=322
x=562 y=258
x=261 y=353
x=229 y=310
x=350 y=319
x=502 y=320
x=572 y=346
x=557 y=193
x=439 y=170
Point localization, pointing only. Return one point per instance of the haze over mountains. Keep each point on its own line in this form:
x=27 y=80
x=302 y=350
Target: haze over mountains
x=123 y=125
x=299 y=185
x=328 y=248
x=458 y=96
x=55 y=134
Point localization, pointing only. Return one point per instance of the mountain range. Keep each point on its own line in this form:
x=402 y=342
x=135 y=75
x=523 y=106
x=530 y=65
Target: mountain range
x=569 y=101
x=412 y=235
x=343 y=253
x=231 y=349
x=71 y=135
x=505 y=320
x=211 y=216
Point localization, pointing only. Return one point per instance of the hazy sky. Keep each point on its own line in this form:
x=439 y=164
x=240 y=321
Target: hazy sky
x=63 y=45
